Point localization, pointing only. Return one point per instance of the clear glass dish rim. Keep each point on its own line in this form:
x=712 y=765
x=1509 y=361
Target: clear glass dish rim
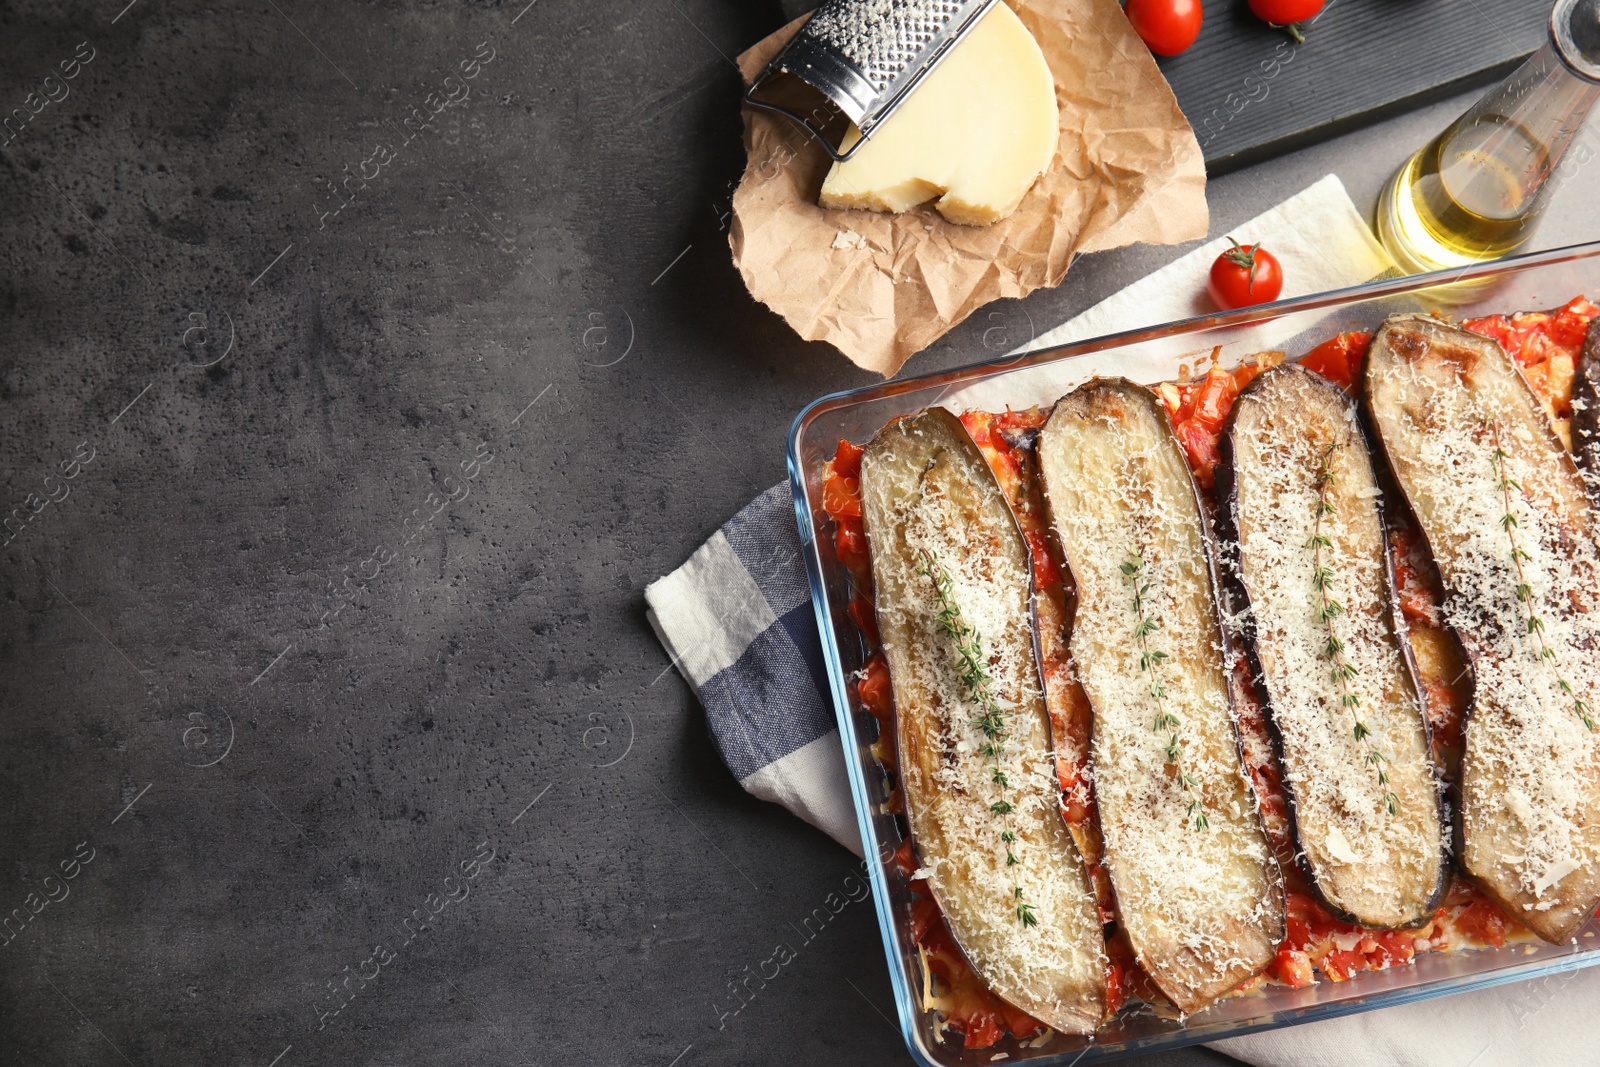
x=1183 y=1035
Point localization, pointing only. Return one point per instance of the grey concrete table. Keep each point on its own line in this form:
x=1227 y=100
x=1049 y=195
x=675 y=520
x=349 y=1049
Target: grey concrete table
x=347 y=436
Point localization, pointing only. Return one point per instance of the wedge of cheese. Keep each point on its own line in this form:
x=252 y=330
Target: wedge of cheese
x=976 y=133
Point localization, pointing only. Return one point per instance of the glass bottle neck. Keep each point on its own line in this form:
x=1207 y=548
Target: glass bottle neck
x=1495 y=159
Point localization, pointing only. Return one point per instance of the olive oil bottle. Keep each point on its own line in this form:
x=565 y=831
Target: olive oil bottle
x=1475 y=192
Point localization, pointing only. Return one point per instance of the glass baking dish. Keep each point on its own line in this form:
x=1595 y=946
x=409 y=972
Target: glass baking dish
x=1524 y=283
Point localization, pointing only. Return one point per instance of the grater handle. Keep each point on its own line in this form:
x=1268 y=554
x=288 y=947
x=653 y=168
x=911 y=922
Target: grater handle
x=838 y=152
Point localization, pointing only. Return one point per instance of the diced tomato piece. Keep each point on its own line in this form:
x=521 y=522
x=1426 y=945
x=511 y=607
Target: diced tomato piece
x=841 y=496
x=1299 y=933
x=1416 y=605
x=1482 y=922
x=984 y=428
x=1538 y=349
x=874 y=691
x=1418 y=601
x=1021 y=1025
x=1497 y=327
x=1392 y=948
x=1324 y=926
x=1119 y=955
x=982 y=1030
x=1338 y=359
x=1534 y=338
x=1340 y=965
x=1245 y=373
x=850 y=546
x=1185 y=409
x=1200 y=444
x=1003 y=461
x=1571 y=323
x=1215 y=399
x=1444 y=715
x=925 y=916
x=847 y=460
x=1116 y=987
x=905 y=861
x=1293 y=968
x=1045 y=572
x=866 y=620
x=980 y=427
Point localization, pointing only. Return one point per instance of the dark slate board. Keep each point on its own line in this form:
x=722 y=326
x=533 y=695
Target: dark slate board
x=1250 y=93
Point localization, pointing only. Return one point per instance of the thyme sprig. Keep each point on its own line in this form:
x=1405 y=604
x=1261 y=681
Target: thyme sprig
x=973 y=668
x=1136 y=572
x=1341 y=672
x=1534 y=624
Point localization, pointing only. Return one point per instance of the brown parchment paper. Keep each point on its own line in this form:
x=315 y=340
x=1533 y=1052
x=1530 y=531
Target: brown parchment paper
x=1127 y=169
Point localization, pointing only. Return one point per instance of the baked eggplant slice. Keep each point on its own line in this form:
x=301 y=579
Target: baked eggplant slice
x=1508 y=522
x=1300 y=512
x=954 y=587
x=1198 y=891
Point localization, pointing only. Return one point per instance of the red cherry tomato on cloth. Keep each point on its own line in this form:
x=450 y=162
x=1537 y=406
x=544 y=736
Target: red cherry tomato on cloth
x=1167 y=26
x=1245 y=275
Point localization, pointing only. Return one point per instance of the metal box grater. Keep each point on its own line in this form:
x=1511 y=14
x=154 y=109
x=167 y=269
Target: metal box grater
x=864 y=57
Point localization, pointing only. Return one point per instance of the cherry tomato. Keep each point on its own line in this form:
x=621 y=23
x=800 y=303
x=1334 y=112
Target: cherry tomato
x=1284 y=12
x=1167 y=26
x=1245 y=275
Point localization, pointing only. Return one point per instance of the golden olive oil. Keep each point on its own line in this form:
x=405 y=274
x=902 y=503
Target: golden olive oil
x=1470 y=194
x=1475 y=192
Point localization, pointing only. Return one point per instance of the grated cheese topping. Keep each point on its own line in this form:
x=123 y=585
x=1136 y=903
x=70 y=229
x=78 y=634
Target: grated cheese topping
x=1384 y=869
x=920 y=493
x=1202 y=907
x=1531 y=777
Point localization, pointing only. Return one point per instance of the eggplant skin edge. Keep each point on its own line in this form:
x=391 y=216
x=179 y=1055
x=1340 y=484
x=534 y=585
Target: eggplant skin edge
x=1229 y=538
x=1274 y=928
x=1078 y=1006
x=1554 y=933
x=1586 y=412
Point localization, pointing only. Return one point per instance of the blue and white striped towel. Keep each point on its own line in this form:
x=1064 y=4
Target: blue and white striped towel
x=738 y=621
